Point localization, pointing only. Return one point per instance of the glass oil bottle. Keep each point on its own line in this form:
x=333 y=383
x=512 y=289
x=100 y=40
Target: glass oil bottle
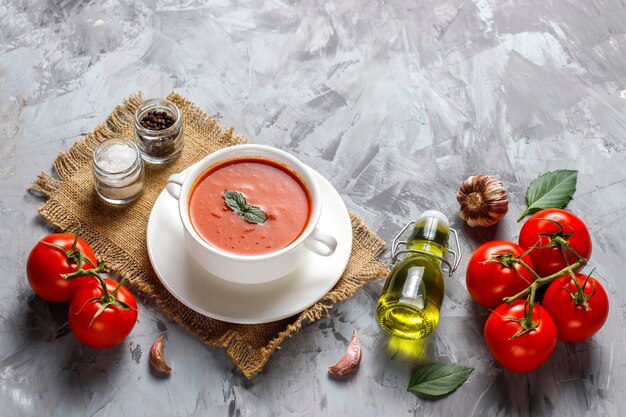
x=411 y=299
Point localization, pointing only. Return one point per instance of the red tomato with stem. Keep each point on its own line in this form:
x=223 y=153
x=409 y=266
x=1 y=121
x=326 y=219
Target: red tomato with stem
x=99 y=319
x=46 y=263
x=489 y=282
x=525 y=352
x=577 y=316
x=550 y=260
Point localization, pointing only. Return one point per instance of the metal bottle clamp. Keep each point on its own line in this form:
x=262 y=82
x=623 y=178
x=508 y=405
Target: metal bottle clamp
x=451 y=266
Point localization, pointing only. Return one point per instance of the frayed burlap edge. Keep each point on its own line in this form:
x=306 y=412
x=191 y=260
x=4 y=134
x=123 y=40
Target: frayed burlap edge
x=367 y=246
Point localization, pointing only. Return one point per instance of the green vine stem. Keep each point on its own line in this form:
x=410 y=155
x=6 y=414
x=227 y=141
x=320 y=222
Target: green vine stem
x=579 y=297
x=580 y=262
x=81 y=272
x=528 y=317
x=563 y=243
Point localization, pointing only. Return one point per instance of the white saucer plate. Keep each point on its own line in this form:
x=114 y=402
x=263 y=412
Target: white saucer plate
x=240 y=303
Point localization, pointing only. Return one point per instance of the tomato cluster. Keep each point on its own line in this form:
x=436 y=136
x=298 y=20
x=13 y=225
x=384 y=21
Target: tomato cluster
x=62 y=267
x=554 y=245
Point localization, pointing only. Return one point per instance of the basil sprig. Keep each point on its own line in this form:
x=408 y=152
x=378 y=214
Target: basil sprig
x=236 y=201
x=552 y=189
x=437 y=379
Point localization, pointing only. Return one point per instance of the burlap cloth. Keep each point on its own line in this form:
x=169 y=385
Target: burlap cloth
x=118 y=234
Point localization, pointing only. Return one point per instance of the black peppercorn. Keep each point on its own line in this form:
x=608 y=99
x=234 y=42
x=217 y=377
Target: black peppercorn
x=157 y=120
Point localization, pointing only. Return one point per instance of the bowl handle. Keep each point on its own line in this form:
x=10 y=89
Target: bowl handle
x=175 y=184
x=321 y=243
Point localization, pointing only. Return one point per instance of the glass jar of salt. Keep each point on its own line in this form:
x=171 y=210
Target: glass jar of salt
x=118 y=171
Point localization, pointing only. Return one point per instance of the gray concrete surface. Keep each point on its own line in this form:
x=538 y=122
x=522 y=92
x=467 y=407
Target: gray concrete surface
x=395 y=102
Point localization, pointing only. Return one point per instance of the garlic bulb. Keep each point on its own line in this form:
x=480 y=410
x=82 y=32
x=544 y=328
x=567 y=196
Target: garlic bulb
x=483 y=200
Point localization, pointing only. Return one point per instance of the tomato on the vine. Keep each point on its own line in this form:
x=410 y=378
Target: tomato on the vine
x=549 y=260
x=520 y=352
x=489 y=282
x=98 y=327
x=577 y=316
x=47 y=262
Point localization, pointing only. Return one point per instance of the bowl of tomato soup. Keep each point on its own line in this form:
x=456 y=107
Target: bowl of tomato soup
x=250 y=213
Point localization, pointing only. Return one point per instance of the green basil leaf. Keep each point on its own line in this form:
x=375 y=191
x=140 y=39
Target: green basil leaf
x=437 y=379
x=551 y=190
x=237 y=202
x=253 y=215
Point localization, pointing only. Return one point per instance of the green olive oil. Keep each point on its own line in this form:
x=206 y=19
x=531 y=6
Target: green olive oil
x=412 y=296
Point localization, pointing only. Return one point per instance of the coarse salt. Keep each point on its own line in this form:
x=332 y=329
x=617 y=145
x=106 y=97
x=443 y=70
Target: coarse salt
x=117 y=158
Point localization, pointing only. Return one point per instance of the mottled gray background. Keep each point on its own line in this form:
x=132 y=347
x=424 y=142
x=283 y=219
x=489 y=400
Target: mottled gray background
x=395 y=102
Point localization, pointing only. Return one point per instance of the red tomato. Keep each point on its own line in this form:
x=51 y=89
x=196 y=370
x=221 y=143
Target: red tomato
x=548 y=261
x=523 y=353
x=112 y=326
x=489 y=282
x=46 y=264
x=573 y=321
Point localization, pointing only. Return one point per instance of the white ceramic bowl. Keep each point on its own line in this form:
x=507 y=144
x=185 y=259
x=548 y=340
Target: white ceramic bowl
x=251 y=269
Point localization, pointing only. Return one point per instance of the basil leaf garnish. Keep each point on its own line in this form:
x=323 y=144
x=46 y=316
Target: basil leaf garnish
x=551 y=190
x=237 y=202
x=254 y=215
x=437 y=379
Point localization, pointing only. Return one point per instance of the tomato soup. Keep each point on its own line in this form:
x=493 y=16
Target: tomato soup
x=265 y=184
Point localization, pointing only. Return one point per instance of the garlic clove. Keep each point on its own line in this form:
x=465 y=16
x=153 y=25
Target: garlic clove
x=483 y=200
x=350 y=360
x=157 y=358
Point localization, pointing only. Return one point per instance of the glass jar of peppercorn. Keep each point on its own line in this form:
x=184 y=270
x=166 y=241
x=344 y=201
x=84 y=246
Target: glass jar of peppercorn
x=159 y=130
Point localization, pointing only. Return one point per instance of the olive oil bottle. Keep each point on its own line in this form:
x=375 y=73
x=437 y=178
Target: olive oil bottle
x=412 y=296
